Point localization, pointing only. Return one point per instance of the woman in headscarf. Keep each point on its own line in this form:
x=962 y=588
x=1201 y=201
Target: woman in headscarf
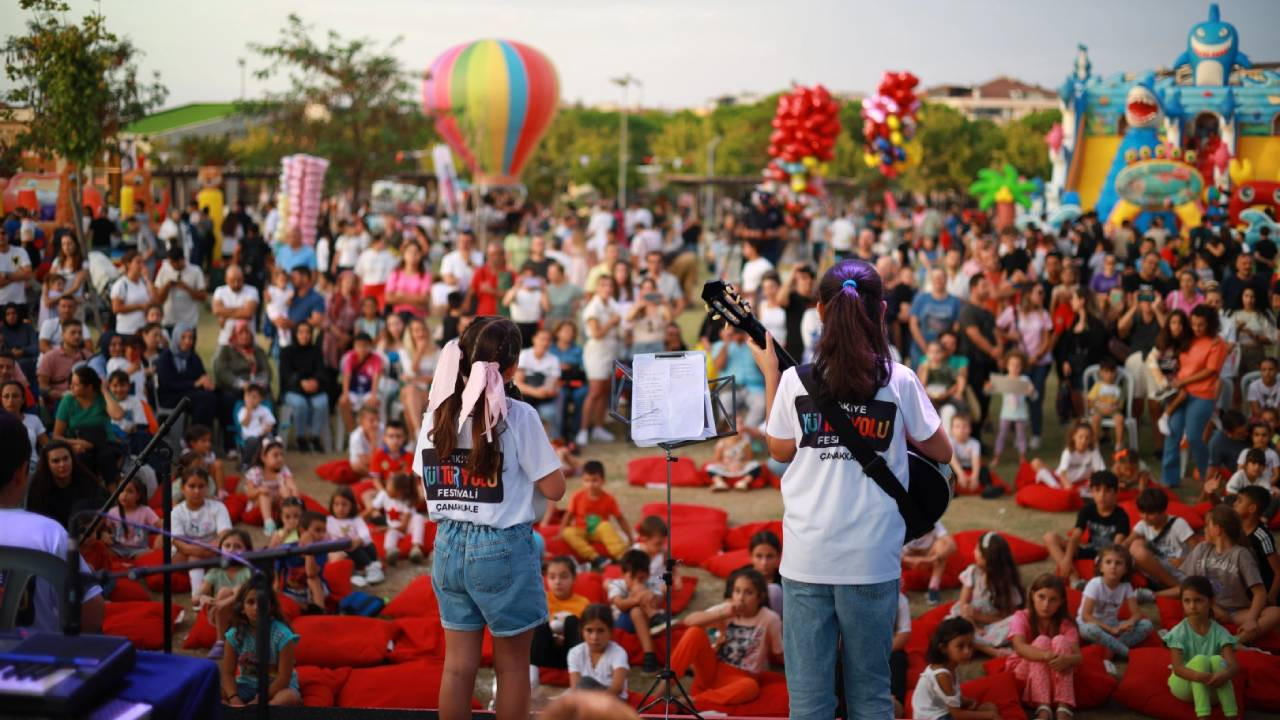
x=304 y=383
x=238 y=363
x=180 y=373
x=19 y=340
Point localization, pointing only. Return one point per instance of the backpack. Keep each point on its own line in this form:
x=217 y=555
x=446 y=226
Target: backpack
x=361 y=603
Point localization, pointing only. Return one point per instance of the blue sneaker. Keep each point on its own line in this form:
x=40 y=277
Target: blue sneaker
x=933 y=597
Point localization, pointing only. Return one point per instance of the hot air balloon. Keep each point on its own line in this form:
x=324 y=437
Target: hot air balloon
x=492 y=101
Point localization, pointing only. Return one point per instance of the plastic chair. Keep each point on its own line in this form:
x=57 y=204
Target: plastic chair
x=22 y=564
x=1126 y=384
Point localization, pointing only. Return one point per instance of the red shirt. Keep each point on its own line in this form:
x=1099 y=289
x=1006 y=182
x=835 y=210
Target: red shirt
x=581 y=506
x=383 y=464
x=486 y=301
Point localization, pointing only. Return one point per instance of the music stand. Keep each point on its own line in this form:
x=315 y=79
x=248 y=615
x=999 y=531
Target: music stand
x=722 y=417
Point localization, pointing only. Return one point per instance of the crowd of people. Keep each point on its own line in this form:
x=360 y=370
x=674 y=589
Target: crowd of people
x=333 y=347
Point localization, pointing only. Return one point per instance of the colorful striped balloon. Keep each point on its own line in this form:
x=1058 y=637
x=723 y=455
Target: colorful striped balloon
x=492 y=101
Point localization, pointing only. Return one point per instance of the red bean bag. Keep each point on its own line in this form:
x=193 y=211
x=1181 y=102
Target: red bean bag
x=236 y=504
x=631 y=643
x=409 y=686
x=917 y=579
x=202 y=634
x=739 y=538
x=1025 y=476
x=127 y=590
x=420 y=638
x=252 y=514
x=651 y=471
x=1094 y=685
x=320 y=686
x=338 y=472
x=556 y=677
x=337 y=575
x=725 y=563
x=1176 y=509
x=359 y=489
x=141 y=622
x=921 y=631
x=1262 y=680
x=996 y=481
x=590 y=585
x=1024 y=551
x=771 y=702
x=697 y=531
x=1001 y=690
x=181 y=581
x=416 y=600
x=343 y=640
x=1042 y=497
x=1145 y=688
x=377 y=534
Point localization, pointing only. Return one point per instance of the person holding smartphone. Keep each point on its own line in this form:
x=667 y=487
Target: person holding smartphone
x=648 y=317
x=528 y=302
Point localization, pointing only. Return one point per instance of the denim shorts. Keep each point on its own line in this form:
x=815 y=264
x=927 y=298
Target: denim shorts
x=483 y=576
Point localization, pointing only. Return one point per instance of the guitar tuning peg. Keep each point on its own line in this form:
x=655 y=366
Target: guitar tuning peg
x=716 y=316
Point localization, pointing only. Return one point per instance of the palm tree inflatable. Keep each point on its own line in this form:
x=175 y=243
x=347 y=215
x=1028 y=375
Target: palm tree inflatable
x=1003 y=189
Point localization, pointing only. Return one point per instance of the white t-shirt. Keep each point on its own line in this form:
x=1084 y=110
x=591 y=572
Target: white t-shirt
x=1267 y=397
x=232 y=300
x=1077 y=467
x=842 y=232
x=51 y=331
x=348 y=249
x=358 y=446
x=614 y=657
x=1106 y=601
x=966 y=451
x=179 y=307
x=453 y=263
x=398 y=511
x=838 y=526
x=132 y=293
x=753 y=271
x=13 y=260
x=256 y=422
x=599 y=228
x=645 y=242
x=902 y=624
x=35 y=428
x=527 y=305
x=135 y=416
x=375 y=266
x=1174 y=542
x=547 y=365
x=351 y=528
x=1239 y=481
x=928 y=702
x=502 y=502
x=202 y=523
x=603 y=311
x=19 y=528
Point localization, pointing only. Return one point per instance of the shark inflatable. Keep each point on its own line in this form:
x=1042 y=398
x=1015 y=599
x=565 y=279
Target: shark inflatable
x=1213 y=51
x=1142 y=113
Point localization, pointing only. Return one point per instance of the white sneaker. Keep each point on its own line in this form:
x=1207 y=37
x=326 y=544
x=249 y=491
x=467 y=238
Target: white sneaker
x=535 y=681
x=358 y=580
x=1163 y=425
x=580 y=439
x=1035 y=442
x=373 y=573
x=601 y=435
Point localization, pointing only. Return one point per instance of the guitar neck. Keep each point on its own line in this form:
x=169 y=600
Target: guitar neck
x=757 y=333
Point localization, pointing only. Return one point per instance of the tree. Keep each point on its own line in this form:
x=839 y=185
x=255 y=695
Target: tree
x=349 y=102
x=81 y=84
x=1024 y=144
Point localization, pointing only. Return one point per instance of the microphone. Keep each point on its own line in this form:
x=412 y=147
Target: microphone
x=73 y=589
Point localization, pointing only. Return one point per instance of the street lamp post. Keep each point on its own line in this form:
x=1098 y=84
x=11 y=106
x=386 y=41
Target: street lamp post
x=625 y=82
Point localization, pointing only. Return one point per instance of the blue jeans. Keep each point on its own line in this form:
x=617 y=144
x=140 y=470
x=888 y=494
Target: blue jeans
x=1039 y=376
x=1192 y=418
x=863 y=615
x=310 y=413
x=570 y=417
x=1118 y=644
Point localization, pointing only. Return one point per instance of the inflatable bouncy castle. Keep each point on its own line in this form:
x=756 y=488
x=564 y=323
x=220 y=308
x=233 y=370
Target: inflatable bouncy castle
x=1201 y=138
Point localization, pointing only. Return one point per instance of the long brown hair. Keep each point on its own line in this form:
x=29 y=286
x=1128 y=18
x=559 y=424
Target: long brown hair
x=852 y=358
x=1048 y=581
x=1002 y=573
x=487 y=339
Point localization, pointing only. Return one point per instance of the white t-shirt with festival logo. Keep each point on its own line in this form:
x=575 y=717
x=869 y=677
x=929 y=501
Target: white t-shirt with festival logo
x=838 y=526
x=507 y=500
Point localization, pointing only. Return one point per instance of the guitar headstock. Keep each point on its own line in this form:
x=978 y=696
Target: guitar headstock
x=724 y=301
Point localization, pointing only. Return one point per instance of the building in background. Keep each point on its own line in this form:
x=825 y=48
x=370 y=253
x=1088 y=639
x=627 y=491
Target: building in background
x=999 y=100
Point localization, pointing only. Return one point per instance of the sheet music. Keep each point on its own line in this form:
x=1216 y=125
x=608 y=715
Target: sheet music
x=670 y=400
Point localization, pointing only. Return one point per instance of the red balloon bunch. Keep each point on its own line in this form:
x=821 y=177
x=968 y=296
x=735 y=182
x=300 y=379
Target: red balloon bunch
x=889 y=122
x=805 y=127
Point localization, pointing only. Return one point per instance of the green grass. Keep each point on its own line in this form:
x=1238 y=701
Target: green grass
x=180 y=116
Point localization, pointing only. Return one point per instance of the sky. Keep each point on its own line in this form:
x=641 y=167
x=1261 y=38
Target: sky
x=686 y=52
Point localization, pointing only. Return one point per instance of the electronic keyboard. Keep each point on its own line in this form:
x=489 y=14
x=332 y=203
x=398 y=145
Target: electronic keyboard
x=50 y=674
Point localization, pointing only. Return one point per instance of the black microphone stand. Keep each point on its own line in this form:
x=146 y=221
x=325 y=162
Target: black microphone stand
x=157 y=445
x=726 y=424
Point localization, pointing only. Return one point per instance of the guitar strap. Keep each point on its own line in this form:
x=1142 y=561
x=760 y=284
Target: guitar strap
x=873 y=463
